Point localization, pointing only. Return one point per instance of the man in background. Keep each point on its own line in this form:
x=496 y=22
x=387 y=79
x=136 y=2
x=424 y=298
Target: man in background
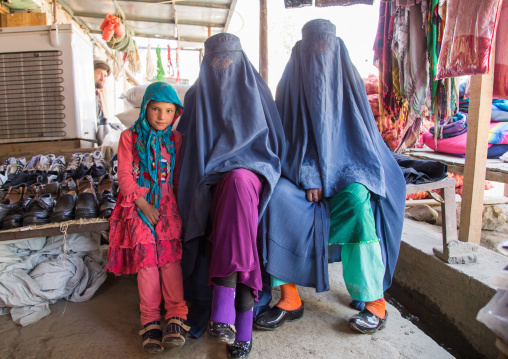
x=101 y=71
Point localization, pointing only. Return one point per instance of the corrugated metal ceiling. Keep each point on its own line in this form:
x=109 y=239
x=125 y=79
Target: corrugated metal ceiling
x=190 y=21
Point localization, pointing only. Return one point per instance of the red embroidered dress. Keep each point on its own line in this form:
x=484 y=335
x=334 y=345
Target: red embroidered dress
x=132 y=246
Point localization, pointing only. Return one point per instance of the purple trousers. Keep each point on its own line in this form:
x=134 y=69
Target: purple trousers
x=234 y=218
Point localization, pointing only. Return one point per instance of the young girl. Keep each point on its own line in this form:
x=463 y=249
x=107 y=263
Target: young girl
x=146 y=227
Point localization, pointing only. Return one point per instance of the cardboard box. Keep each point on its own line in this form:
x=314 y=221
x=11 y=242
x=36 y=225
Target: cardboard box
x=23 y=19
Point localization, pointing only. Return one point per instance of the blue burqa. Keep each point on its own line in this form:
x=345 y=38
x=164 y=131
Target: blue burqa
x=230 y=121
x=331 y=141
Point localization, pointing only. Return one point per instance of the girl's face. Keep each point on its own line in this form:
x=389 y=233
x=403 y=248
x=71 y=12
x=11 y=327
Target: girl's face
x=160 y=114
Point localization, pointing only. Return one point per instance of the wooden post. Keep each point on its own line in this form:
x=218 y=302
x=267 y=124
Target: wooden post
x=478 y=126
x=263 y=40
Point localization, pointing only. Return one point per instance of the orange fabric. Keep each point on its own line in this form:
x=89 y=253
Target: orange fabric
x=289 y=300
x=377 y=307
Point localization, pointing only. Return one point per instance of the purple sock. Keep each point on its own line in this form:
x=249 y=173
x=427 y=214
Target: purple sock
x=243 y=325
x=223 y=305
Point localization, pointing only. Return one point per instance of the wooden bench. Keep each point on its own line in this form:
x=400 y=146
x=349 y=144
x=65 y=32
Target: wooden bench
x=448 y=206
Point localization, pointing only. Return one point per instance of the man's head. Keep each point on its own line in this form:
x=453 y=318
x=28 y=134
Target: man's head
x=101 y=71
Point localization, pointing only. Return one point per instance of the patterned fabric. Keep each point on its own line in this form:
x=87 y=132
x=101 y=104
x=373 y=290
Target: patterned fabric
x=149 y=143
x=132 y=244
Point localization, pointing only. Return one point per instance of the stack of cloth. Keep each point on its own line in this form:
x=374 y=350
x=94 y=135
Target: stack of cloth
x=452 y=135
x=39 y=271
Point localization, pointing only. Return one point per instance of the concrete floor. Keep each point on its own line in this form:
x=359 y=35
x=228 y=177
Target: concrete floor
x=107 y=326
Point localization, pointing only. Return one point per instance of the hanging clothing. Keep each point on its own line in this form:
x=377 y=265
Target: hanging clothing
x=332 y=142
x=230 y=122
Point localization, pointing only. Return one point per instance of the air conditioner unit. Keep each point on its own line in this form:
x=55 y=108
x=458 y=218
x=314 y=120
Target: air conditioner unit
x=47 y=87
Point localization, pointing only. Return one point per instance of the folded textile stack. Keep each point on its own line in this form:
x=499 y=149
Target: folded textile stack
x=452 y=135
x=37 y=272
x=47 y=189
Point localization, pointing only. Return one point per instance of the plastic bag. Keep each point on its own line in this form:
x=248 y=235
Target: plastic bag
x=501 y=69
x=467 y=39
x=112 y=139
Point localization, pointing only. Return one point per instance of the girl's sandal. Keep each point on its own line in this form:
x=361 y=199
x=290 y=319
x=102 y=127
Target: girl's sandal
x=152 y=334
x=175 y=333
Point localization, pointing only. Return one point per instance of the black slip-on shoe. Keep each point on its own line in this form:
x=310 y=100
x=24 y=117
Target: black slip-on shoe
x=221 y=332
x=239 y=349
x=366 y=322
x=275 y=317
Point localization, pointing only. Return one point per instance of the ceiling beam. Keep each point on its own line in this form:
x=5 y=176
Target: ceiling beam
x=230 y=15
x=183 y=3
x=148 y=19
x=152 y=36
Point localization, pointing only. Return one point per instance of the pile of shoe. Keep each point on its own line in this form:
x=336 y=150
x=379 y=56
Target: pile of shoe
x=47 y=190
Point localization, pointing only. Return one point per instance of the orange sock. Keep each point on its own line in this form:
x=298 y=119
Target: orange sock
x=377 y=307
x=289 y=300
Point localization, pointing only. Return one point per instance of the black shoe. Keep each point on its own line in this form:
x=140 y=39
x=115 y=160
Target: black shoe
x=14 y=218
x=16 y=180
x=38 y=210
x=86 y=204
x=239 y=349
x=366 y=322
x=221 y=332
x=152 y=337
x=64 y=208
x=106 y=204
x=275 y=317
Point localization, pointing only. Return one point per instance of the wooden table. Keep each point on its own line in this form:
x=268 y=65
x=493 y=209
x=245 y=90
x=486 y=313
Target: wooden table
x=448 y=206
x=54 y=229
x=496 y=170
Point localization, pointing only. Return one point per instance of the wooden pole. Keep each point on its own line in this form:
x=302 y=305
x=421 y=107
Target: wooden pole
x=478 y=126
x=263 y=40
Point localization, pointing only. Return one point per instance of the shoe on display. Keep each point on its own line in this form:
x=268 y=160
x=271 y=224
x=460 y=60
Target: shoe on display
x=31 y=166
x=16 y=167
x=99 y=161
x=38 y=210
x=72 y=166
x=5 y=207
x=86 y=204
x=114 y=168
x=57 y=167
x=107 y=204
x=15 y=180
x=44 y=163
x=15 y=194
x=5 y=165
x=36 y=189
x=87 y=160
x=3 y=178
x=64 y=208
x=14 y=218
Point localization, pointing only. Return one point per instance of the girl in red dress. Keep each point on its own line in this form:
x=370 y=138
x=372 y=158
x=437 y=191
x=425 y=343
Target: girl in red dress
x=145 y=235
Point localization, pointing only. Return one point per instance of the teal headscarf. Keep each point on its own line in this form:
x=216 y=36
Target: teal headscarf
x=149 y=142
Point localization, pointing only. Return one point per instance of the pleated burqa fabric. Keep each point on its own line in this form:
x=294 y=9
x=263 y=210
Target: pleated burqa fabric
x=230 y=121
x=332 y=141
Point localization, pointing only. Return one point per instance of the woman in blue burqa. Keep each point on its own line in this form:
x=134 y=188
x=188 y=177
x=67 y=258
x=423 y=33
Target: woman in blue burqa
x=230 y=164
x=340 y=186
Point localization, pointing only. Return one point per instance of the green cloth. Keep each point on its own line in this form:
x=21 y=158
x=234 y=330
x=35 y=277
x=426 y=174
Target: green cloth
x=276 y=281
x=363 y=271
x=352 y=225
x=351 y=217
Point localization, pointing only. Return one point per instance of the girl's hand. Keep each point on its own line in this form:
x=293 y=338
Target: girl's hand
x=314 y=194
x=149 y=211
